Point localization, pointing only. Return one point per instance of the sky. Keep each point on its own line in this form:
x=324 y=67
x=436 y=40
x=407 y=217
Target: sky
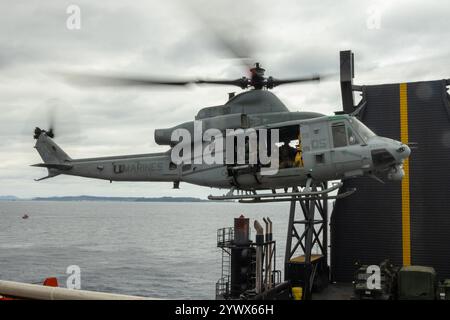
x=393 y=41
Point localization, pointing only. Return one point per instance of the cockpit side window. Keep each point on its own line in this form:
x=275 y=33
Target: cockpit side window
x=352 y=137
x=361 y=129
x=339 y=134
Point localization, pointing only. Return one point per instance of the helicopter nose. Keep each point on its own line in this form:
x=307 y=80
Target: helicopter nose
x=388 y=152
x=403 y=151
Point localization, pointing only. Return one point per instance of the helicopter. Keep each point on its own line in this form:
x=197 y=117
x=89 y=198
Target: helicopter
x=304 y=148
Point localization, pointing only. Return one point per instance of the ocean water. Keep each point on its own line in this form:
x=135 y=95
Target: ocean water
x=162 y=250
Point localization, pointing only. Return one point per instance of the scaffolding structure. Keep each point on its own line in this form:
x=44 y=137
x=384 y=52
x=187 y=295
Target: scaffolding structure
x=308 y=229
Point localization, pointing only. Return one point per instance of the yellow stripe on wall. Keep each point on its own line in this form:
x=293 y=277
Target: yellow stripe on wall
x=406 y=220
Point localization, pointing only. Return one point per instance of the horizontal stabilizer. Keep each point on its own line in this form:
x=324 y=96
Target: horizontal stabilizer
x=58 y=166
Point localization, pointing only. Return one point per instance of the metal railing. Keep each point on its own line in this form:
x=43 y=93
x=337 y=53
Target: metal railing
x=223 y=288
x=224 y=237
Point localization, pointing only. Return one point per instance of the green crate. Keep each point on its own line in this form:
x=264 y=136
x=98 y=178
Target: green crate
x=417 y=283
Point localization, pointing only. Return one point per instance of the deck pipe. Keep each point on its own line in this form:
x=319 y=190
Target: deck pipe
x=266 y=255
x=259 y=252
x=39 y=292
x=270 y=251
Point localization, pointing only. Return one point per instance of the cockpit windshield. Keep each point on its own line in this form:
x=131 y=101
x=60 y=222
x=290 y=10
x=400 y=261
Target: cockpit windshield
x=363 y=131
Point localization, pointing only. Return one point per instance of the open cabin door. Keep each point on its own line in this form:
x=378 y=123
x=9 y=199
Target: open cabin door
x=290 y=148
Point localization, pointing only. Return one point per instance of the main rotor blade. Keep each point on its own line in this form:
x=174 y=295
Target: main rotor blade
x=121 y=81
x=238 y=48
x=273 y=82
x=235 y=46
x=51 y=127
x=90 y=80
x=242 y=82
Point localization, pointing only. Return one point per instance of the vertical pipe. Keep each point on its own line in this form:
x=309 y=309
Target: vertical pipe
x=270 y=250
x=266 y=255
x=325 y=223
x=259 y=244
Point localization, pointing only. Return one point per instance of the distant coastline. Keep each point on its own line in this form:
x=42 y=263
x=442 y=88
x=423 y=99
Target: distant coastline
x=9 y=198
x=99 y=198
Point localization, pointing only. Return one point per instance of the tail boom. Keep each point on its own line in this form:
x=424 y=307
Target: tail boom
x=142 y=167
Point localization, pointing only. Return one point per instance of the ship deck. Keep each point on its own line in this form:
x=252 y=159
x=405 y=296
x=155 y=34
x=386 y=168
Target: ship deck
x=335 y=291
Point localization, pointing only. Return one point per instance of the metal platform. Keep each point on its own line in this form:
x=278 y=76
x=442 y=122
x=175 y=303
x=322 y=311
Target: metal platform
x=302 y=258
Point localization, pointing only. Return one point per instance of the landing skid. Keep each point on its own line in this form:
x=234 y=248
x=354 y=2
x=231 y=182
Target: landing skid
x=306 y=192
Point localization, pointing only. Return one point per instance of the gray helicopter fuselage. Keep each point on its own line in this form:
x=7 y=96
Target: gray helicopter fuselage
x=321 y=147
x=332 y=147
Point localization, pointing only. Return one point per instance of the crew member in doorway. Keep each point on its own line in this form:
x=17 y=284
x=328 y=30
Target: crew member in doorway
x=287 y=155
x=298 y=162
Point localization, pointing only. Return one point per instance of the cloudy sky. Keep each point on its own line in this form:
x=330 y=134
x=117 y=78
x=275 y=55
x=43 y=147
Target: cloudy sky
x=396 y=41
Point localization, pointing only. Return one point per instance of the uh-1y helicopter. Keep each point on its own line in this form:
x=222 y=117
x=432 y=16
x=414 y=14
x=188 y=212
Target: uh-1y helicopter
x=311 y=147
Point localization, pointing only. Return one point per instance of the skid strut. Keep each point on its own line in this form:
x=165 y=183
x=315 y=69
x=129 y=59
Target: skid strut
x=251 y=196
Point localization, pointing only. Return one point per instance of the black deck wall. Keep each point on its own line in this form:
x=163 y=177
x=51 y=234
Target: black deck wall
x=367 y=226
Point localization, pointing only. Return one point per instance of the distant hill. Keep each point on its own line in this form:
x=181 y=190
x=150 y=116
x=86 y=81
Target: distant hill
x=8 y=198
x=128 y=199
